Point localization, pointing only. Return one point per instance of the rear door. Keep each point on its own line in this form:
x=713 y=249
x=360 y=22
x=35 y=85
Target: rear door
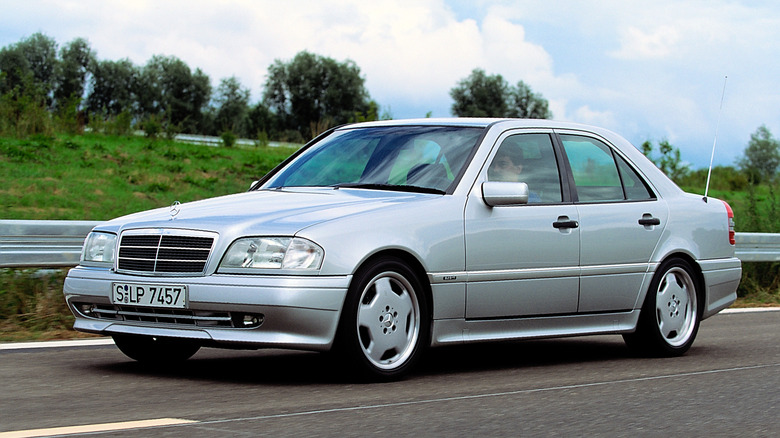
x=621 y=221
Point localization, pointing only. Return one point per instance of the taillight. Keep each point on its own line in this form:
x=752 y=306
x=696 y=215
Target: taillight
x=732 y=239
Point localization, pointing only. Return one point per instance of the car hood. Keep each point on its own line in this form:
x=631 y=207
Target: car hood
x=275 y=212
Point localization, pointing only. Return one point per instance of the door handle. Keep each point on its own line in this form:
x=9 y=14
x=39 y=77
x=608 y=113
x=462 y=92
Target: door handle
x=649 y=220
x=565 y=223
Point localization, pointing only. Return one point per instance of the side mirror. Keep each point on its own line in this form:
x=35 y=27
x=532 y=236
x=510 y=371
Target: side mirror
x=497 y=193
x=254 y=183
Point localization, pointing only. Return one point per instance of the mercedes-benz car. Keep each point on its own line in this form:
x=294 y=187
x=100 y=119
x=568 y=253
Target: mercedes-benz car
x=379 y=240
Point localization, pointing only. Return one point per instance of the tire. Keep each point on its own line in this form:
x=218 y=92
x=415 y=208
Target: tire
x=385 y=324
x=155 y=351
x=669 y=320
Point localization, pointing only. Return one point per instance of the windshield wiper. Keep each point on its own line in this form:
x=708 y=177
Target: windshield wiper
x=391 y=187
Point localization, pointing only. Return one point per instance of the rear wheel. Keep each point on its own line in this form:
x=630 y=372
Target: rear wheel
x=670 y=317
x=153 y=350
x=385 y=324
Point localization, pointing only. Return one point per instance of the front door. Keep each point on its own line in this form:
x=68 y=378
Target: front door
x=522 y=260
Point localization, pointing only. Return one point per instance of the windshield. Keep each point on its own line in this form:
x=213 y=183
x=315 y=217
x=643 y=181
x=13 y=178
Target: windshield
x=423 y=158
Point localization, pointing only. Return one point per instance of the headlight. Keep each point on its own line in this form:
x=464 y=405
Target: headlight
x=99 y=249
x=272 y=253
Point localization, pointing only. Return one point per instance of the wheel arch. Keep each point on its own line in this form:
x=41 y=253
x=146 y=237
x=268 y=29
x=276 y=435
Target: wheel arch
x=412 y=262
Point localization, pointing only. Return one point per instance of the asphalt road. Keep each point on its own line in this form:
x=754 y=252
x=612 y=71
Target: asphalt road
x=727 y=385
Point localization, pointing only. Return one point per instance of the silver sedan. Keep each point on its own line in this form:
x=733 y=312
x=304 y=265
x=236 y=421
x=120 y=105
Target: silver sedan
x=378 y=240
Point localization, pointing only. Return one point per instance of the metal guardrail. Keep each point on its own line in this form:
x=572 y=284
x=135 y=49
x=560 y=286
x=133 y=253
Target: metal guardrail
x=49 y=244
x=45 y=244
x=758 y=247
x=217 y=141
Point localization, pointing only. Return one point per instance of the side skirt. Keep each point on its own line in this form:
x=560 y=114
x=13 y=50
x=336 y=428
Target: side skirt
x=459 y=331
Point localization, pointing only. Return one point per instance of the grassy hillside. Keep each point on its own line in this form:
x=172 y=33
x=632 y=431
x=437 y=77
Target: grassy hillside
x=96 y=177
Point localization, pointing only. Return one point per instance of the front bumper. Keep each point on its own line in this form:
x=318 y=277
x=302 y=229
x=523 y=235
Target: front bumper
x=291 y=312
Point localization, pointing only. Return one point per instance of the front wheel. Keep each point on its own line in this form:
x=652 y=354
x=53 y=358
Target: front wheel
x=385 y=324
x=156 y=351
x=670 y=317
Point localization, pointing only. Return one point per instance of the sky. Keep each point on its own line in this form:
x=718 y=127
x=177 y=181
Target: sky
x=646 y=70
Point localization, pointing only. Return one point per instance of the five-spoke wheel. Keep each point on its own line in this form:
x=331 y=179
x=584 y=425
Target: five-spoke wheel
x=385 y=324
x=670 y=316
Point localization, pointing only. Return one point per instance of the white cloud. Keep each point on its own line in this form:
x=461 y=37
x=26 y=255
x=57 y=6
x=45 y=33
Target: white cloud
x=637 y=44
x=587 y=115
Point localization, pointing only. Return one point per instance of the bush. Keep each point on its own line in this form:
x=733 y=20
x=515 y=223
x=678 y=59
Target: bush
x=262 y=139
x=152 y=127
x=724 y=178
x=69 y=119
x=228 y=139
x=760 y=282
x=121 y=125
x=31 y=300
x=23 y=115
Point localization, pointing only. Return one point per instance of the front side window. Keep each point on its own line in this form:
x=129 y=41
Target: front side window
x=598 y=174
x=399 y=157
x=528 y=158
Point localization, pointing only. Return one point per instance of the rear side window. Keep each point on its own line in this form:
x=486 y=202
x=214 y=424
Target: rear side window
x=635 y=187
x=599 y=175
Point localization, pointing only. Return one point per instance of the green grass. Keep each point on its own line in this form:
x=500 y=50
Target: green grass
x=96 y=177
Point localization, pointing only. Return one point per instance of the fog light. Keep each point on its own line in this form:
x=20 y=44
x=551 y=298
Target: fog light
x=251 y=321
x=248 y=320
x=87 y=309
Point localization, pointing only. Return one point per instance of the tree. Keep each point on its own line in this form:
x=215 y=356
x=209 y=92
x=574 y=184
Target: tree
x=483 y=95
x=762 y=156
x=34 y=57
x=167 y=89
x=40 y=52
x=111 y=88
x=262 y=122
x=26 y=84
x=669 y=162
x=14 y=70
x=200 y=95
x=76 y=58
x=232 y=101
x=526 y=104
x=311 y=92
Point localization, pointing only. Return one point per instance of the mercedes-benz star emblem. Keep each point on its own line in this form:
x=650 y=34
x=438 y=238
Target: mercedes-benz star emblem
x=175 y=209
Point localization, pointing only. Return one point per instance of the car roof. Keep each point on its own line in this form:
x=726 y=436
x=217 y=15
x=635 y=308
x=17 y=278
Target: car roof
x=478 y=122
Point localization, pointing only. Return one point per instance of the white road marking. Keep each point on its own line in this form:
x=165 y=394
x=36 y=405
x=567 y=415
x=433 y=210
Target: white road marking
x=92 y=428
x=56 y=344
x=750 y=309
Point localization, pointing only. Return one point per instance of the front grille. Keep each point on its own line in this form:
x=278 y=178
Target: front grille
x=163 y=251
x=171 y=317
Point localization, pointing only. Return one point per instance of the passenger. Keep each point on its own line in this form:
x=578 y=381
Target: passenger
x=507 y=166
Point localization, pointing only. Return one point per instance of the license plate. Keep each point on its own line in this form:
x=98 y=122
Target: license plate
x=150 y=295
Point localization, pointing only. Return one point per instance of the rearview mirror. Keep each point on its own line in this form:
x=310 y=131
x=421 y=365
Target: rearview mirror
x=497 y=193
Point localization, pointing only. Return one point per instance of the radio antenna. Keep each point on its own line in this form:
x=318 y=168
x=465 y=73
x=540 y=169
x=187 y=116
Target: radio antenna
x=717 y=125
